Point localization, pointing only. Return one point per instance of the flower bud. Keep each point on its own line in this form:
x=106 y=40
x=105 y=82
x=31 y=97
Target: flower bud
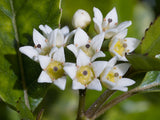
x=81 y=19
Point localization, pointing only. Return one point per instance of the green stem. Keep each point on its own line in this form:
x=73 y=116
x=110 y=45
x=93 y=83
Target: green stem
x=19 y=55
x=81 y=107
x=40 y=114
x=114 y=102
x=60 y=8
x=98 y=103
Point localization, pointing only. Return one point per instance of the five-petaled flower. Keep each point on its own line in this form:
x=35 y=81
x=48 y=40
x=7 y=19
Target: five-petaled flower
x=120 y=46
x=44 y=45
x=84 y=73
x=111 y=77
x=53 y=69
x=109 y=24
x=90 y=47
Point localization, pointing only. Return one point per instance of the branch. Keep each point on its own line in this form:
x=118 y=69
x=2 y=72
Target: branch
x=115 y=101
x=99 y=103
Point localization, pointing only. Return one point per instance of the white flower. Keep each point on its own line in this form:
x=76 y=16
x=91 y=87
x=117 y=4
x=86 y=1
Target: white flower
x=81 y=19
x=47 y=30
x=112 y=76
x=120 y=46
x=53 y=69
x=44 y=45
x=90 y=47
x=84 y=74
x=109 y=23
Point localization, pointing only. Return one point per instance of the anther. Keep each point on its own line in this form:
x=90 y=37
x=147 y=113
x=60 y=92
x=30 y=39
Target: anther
x=55 y=69
x=109 y=20
x=124 y=45
x=39 y=45
x=116 y=74
x=85 y=72
x=87 y=45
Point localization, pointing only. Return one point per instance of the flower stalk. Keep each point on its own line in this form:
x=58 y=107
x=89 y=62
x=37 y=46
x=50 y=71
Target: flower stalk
x=81 y=107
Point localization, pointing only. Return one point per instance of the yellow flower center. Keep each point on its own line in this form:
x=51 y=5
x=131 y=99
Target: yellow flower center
x=85 y=75
x=120 y=48
x=55 y=70
x=46 y=50
x=111 y=76
x=88 y=50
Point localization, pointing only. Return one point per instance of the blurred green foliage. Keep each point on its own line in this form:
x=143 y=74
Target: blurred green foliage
x=57 y=104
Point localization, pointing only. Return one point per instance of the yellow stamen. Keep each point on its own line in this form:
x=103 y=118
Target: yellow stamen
x=110 y=76
x=118 y=48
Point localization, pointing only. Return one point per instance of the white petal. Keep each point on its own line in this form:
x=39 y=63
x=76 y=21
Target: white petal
x=52 y=37
x=125 y=82
x=112 y=62
x=69 y=36
x=121 y=35
x=124 y=89
x=71 y=70
x=38 y=39
x=97 y=41
x=56 y=38
x=81 y=38
x=95 y=85
x=53 y=50
x=108 y=84
x=124 y=25
x=110 y=33
x=44 y=78
x=97 y=25
x=122 y=68
x=59 y=39
x=122 y=58
x=98 y=15
x=73 y=48
x=132 y=43
x=82 y=59
x=44 y=61
x=65 y=30
x=60 y=82
x=30 y=51
x=59 y=55
x=46 y=29
x=112 y=15
x=97 y=55
x=77 y=85
x=98 y=67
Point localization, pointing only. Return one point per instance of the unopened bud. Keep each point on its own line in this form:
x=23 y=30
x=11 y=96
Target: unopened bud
x=81 y=19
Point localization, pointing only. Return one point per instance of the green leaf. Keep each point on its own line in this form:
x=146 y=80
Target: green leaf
x=151 y=41
x=18 y=72
x=144 y=63
x=24 y=112
x=151 y=82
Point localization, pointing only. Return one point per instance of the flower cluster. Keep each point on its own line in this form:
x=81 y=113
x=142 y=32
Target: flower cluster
x=86 y=72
